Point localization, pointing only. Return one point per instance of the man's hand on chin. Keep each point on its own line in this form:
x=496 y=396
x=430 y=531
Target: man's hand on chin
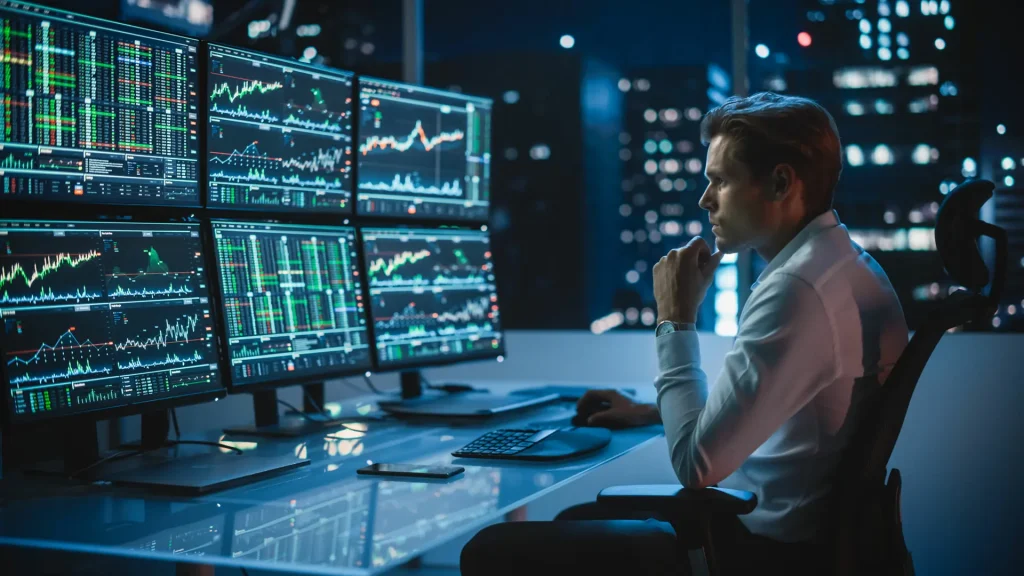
x=682 y=278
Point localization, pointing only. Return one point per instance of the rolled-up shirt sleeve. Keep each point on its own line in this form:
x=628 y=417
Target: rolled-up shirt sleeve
x=783 y=354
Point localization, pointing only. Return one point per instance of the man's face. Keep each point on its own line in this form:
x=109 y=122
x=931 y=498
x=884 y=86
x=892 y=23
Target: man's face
x=738 y=207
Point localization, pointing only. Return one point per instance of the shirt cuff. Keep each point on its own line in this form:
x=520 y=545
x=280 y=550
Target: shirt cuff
x=678 y=349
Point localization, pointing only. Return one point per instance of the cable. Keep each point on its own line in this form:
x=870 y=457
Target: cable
x=369 y=383
x=296 y=410
x=308 y=418
x=111 y=458
x=312 y=402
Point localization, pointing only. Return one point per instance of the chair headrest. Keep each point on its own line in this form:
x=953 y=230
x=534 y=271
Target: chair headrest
x=956 y=235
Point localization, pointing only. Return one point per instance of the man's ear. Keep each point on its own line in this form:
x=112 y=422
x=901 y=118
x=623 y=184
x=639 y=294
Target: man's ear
x=783 y=178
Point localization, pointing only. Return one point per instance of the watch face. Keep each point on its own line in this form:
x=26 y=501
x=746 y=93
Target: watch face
x=664 y=328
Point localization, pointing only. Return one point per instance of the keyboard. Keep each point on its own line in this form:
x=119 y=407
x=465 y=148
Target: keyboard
x=535 y=443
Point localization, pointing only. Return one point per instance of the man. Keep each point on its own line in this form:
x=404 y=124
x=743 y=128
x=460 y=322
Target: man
x=822 y=320
x=821 y=326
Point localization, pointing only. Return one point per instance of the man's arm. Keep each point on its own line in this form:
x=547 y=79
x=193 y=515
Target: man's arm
x=783 y=355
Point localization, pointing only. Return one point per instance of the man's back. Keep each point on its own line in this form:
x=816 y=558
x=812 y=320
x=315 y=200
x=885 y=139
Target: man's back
x=790 y=471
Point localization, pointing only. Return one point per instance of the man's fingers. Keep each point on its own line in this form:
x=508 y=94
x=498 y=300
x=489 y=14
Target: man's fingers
x=606 y=419
x=594 y=398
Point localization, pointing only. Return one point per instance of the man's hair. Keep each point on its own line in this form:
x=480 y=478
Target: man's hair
x=768 y=129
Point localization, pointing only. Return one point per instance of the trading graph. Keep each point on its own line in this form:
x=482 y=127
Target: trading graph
x=95 y=111
x=98 y=315
x=279 y=133
x=422 y=152
x=293 y=303
x=432 y=294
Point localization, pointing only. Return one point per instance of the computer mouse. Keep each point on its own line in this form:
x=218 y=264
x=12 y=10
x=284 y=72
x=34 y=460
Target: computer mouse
x=580 y=419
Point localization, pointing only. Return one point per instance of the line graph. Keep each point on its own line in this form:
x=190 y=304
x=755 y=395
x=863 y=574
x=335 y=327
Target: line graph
x=417 y=134
x=65 y=358
x=47 y=295
x=50 y=264
x=388 y=266
x=183 y=330
x=247 y=88
x=294 y=160
x=168 y=360
x=138 y=270
x=408 y=185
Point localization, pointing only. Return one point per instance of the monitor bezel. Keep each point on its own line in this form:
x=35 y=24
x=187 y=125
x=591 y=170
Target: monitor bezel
x=222 y=335
x=500 y=352
x=30 y=8
x=10 y=421
x=204 y=128
x=357 y=117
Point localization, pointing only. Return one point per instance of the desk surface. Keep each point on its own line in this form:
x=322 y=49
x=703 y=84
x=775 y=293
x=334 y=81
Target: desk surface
x=318 y=519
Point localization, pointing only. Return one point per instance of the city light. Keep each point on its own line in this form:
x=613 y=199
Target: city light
x=903 y=53
x=940 y=44
x=730 y=258
x=969 y=168
x=854 y=155
x=308 y=54
x=606 y=323
x=726 y=326
x=854 y=108
x=762 y=51
x=902 y=39
x=949 y=22
x=1001 y=129
x=865 y=41
x=510 y=97
x=567 y=41
x=881 y=155
x=650 y=146
x=865 y=26
x=883 y=106
x=884 y=25
x=1008 y=180
x=624 y=84
x=650 y=115
x=921 y=154
x=540 y=152
x=923 y=76
x=855 y=78
x=902 y=8
x=1008 y=163
x=307 y=30
x=632 y=276
x=803 y=39
x=884 y=54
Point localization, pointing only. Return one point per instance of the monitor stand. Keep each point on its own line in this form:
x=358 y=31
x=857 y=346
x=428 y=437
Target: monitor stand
x=146 y=465
x=313 y=421
x=414 y=403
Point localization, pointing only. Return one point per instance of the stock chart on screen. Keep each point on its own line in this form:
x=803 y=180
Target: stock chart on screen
x=432 y=295
x=292 y=298
x=95 y=111
x=423 y=153
x=99 y=315
x=279 y=134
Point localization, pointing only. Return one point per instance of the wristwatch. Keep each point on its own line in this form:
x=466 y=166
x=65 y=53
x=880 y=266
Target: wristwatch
x=668 y=326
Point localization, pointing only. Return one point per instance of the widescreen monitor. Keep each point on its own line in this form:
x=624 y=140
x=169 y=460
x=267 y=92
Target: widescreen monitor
x=100 y=316
x=292 y=302
x=96 y=111
x=433 y=296
x=279 y=134
x=423 y=153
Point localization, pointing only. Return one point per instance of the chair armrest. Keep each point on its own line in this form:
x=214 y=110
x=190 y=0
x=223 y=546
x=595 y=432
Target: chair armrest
x=670 y=498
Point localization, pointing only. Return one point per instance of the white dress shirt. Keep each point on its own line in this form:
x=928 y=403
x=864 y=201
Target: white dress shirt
x=821 y=324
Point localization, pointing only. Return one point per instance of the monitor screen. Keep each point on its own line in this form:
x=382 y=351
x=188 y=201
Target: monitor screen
x=432 y=295
x=423 y=153
x=96 y=111
x=100 y=315
x=292 y=300
x=279 y=134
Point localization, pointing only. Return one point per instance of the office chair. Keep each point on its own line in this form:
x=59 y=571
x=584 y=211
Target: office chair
x=864 y=533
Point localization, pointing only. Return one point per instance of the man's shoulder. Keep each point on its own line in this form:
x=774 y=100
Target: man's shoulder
x=823 y=257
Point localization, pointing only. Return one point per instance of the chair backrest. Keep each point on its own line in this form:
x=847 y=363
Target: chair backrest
x=865 y=512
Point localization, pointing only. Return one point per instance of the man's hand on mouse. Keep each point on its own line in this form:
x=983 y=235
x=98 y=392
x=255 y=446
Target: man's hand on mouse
x=623 y=411
x=682 y=278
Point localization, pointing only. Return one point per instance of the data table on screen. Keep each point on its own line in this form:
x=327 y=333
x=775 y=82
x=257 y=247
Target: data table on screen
x=292 y=300
x=95 y=111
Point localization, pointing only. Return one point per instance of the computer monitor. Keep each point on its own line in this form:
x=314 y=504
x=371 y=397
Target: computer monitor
x=433 y=296
x=293 y=308
x=423 y=153
x=279 y=134
x=96 y=111
x=103 y=317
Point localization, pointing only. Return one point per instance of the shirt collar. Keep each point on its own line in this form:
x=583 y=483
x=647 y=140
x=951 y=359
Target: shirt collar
x=824 y=221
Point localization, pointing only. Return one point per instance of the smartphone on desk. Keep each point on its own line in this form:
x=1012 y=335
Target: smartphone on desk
x=411 y=470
